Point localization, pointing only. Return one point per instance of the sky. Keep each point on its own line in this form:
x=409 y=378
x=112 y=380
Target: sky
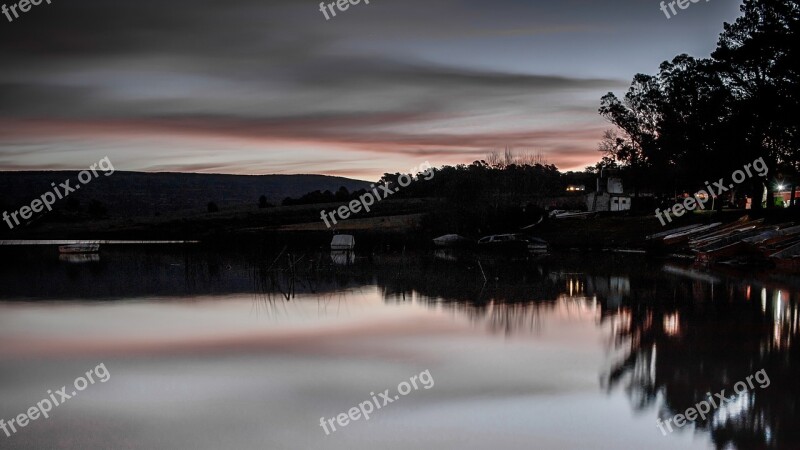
x=273 y=87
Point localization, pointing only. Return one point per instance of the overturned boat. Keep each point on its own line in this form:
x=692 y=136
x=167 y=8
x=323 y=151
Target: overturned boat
x=343 y=242
x=451 y=240
x=513 y=243
x=79 y=248
x=787 y=259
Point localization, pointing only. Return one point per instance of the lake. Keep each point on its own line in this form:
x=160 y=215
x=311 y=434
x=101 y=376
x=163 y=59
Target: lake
x=207 y=350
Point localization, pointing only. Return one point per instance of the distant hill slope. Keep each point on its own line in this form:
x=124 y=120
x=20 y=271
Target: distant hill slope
x=131 y=194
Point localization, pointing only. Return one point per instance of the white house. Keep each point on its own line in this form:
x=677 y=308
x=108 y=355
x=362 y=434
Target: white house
x=610 y=196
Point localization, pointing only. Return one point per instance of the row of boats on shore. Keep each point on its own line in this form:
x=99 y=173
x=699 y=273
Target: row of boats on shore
x=742 y=242
x=346 y=242
x=512 y=243
x=502 y=243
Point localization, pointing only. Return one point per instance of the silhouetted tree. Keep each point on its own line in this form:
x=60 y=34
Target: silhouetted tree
x=757 y=57
x=342 y=194
x=700 y=118
x=263 y=203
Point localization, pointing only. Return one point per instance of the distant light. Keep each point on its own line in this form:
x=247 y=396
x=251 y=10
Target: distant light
x=780 y=187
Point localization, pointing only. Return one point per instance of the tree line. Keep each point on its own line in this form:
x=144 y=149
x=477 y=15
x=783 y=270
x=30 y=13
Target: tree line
x=497 y=179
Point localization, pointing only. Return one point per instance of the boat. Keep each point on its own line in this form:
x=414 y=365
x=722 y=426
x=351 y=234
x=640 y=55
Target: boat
x=787 y=259
x=701 y=242
x=79 y=248
x=450 y=240
x=560 y=215
x=528 y=227
x=664 y=234
x=792 y=252
x=726 y=248
x=343 y=242
x=737 y=244
x=683 y=236
x=772 y=247
x=775 y=238
x=736 y=227
x=738 y=235
x=513 y=243
x=729 y=246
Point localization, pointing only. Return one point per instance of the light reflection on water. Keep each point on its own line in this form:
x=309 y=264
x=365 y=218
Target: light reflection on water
x=216 y=351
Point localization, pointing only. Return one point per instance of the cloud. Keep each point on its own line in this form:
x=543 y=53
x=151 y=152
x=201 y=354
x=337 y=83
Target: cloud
x=264 y=72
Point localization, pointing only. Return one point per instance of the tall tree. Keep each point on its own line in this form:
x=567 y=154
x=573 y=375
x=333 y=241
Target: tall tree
x=757 y=57
x=708 y=117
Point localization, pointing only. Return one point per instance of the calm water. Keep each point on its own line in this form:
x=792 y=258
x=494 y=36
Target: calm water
x=210 y=351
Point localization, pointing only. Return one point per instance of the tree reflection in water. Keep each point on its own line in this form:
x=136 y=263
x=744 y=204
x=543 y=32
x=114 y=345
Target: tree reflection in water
x=683 y=336
x=680 y=335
